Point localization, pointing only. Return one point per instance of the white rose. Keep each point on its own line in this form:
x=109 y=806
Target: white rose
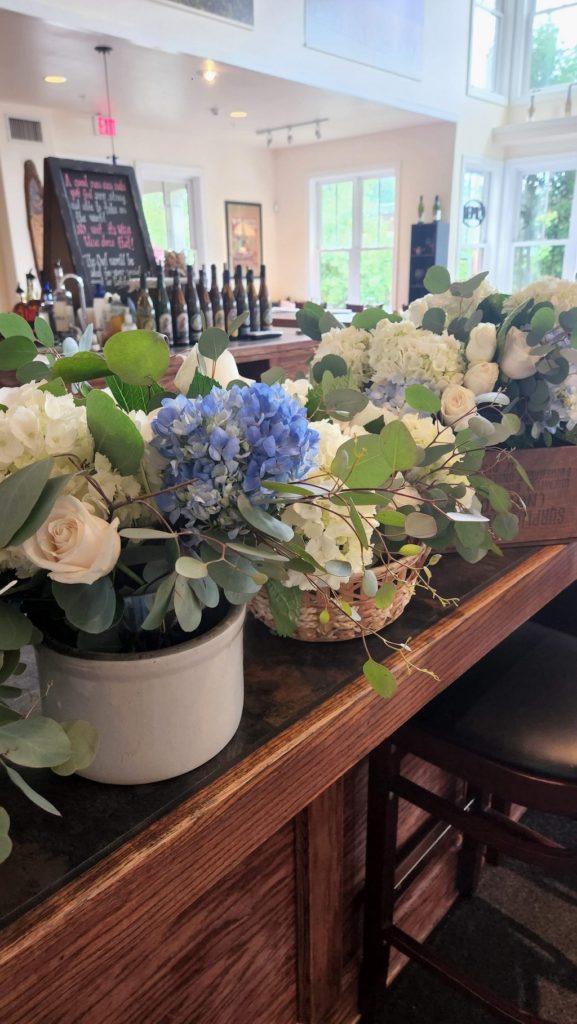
x=223 y=370
x=368 y=414
x=481 y=377
x=458 y=406
x=482 y=343
x=517 y=361
x=74 y=544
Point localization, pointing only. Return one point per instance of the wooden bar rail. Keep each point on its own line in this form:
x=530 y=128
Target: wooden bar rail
x=241 y=903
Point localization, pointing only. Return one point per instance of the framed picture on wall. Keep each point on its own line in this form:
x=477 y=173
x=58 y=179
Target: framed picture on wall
x=244 y=235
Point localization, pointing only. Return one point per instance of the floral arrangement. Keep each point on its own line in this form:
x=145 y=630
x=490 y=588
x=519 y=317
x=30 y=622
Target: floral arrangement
x=133 y=515
x=477 y=349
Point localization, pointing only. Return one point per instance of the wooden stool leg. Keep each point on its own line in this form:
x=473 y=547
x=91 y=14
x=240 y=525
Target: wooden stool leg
x=493 y=856
x=382 y=814
x=471 y=856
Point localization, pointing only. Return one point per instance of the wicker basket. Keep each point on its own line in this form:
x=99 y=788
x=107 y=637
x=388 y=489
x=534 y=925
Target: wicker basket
x=404 y=572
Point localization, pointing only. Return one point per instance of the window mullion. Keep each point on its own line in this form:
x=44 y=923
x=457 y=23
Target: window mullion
x=355 y=259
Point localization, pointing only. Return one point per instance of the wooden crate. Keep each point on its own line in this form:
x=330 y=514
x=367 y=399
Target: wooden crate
x=552 y=504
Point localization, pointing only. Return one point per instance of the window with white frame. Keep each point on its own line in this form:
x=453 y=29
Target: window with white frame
x=552 y=37
x=544 y=234
x=354 y=239
x=473 y=256
x=487 y=44
x=169 y=213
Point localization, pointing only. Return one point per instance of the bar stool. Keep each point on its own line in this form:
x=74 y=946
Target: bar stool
x=508 y=728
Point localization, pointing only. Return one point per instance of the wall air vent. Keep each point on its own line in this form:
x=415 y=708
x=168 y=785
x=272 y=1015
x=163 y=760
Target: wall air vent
x=24 y=130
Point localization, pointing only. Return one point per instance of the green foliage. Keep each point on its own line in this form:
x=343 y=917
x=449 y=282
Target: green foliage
x=19 y=493
x=114 y=433
x=334 y=364
x=275 y=375
x=434 y=320
x=81 y=366
x=87 y=606
x=437 y=280
x=42 y=509
x=34 y=742
x=262 y=521
x=15 y=629
x=43 y=332
x=15 y=351
x=285 y=605
x=138 y=357
x=380 y=677
x=213 y=342
x=12 y=325
x=83 y=740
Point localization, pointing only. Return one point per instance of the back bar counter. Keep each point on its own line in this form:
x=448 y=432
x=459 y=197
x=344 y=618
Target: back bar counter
x=232 y=894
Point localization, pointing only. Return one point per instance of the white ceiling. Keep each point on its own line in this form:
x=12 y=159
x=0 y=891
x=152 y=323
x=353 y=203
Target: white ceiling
x=160 y=88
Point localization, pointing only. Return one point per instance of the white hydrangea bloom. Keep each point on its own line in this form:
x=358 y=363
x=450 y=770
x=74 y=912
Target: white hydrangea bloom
x=324 y=532
x=452 y=305
x=399 y=354
x=351 y=344
x=36 y=425
x=298 y=389
x=560 y=293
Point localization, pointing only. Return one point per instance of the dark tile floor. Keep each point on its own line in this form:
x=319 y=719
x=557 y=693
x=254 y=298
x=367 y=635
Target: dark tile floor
x=519 y=934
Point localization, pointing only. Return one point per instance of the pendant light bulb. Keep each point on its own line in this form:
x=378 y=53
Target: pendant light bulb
x=318 y=135
x=289 y=137
x=269 y=139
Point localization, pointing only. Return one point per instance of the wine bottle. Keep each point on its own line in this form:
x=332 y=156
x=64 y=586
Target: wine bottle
x=253 y=306
x=193 y=308
x=216 y=300
x=228 y=302
x=437 y=209
x=240 y=299
x=63 y=307
x=204 y=299
x=179 y=311
x=264 y=301
x=421 y=210
x=163 y=310
x=144 y=307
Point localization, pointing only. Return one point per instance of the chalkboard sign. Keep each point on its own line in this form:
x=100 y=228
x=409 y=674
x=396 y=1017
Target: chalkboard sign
x=94 y=223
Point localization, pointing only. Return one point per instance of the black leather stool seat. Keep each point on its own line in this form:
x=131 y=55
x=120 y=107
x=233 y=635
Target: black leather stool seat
x=517 y=706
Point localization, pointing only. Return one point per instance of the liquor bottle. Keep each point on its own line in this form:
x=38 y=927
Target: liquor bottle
x=264 y=301
x=163 y=311
x=20 y=306
x=240 y=299
x=47 y=305
x=420 y=210
x=193 y=308
x=204 y=299
x=228 y=303
x=437 y=209
x=63 y=307
x=253 y=306
x=32 y=302
x=179 y=311
x=216 y=300
x=144 y=307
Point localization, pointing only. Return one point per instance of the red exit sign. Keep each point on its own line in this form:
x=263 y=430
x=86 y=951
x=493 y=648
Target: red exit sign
x=105 y=125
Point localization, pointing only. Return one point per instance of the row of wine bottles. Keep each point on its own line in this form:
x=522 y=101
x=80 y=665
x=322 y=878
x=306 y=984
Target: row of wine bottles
x=182 y=314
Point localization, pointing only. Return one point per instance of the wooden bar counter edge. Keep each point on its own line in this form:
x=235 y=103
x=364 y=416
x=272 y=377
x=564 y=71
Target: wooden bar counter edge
x=242 y=904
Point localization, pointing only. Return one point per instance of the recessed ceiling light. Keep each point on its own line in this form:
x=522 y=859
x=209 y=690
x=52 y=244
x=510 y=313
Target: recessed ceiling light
x=238 y=113
x=55 y=79
x=210 y=75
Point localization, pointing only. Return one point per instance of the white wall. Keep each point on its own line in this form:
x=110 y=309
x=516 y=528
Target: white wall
x=247 y=176
x=423 y=160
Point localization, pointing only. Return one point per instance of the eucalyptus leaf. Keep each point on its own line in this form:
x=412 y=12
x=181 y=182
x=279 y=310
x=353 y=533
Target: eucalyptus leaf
x=52 y=488
x=161 y=604
x=13 y=325
x=191 y=568
x=237 y=322
x=16 y=630
x=399 y=448
x=15 y=351
x=385 y=595
x=262 y=521
x=35 y=742
x=420 y=525
x=275 y=375
x=36 y=370
x=380 y=677
x=32 y=795
x=137 y=357
x=331 y=363
x=434 y=320
x=336 y=567
x=87 y=606
x=285 y=605
x=370 y=583
x=83 y=739
x=81 y=366
x=19 y=493
x=437 y=280
x=368 y=319
x=186 y=606
x=213 y=342
x=420 y=397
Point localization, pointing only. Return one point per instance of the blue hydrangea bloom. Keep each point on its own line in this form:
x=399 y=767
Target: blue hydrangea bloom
x=227 y=443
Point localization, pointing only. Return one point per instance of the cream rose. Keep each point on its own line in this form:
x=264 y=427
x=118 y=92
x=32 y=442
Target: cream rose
x=517 y=361
x=458 y=406
x=74 y=544
x=481 y=377
x=224 y=370
x=482 y=344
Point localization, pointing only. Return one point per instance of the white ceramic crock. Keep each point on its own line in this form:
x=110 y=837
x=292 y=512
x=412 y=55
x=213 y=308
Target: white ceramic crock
x=157 y=714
